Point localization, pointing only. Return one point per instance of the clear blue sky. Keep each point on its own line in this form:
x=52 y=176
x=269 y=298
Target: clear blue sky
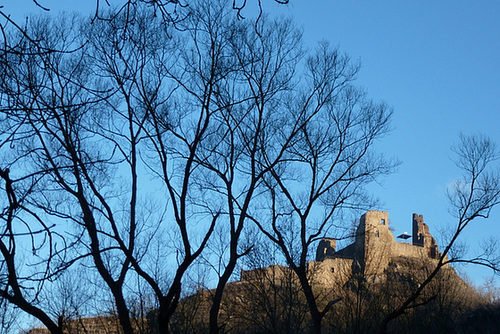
x=437 y=63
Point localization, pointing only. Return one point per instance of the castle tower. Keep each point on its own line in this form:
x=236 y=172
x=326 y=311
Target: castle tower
x=422 y=237
x=326 y=249
x=418 y=230
x=374 y=242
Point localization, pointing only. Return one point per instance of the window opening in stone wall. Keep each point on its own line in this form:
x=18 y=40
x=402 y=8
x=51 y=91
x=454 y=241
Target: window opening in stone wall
x=382 y=222
x=377 y=234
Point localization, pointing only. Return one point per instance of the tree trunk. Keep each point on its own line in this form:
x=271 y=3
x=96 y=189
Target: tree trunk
x=316 y=315
x=217 y=299
x=123 y=314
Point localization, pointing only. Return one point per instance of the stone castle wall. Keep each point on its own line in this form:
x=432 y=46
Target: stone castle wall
x=331 y=272
x=91 y=325
x=408 y=250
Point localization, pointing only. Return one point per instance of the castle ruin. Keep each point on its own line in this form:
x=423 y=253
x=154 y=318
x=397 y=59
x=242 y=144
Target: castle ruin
x=373 y=249
x=371 y=253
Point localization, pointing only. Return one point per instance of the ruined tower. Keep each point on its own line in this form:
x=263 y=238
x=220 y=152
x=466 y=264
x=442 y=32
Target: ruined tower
x=326 y=249
x=422 y=237
x=374 y=242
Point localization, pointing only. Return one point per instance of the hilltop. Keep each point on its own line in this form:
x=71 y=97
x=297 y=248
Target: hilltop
x=363 y=280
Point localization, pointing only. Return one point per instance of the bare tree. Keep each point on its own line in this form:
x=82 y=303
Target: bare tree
x=250 y=119
x=271 y=300
x=26 y=72
x=326 y=165
x=471 y=198
x=228 y=118
x=8 y=316
x=132 y=99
